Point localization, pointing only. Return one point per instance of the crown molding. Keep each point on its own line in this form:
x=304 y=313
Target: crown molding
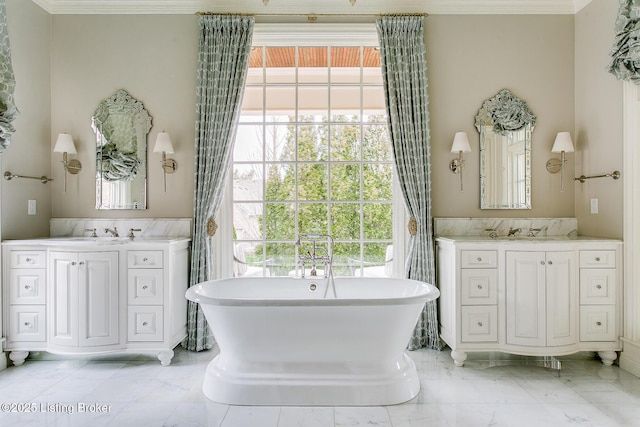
x=435 y=7
x=318 y=34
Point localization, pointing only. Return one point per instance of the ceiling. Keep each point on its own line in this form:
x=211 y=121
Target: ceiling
x=306 y=7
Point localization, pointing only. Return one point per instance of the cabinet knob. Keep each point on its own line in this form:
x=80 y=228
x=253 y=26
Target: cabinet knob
x=480 y=324
x=27 y=324
x=550 y=262
x=145 y=287
x=479 y=259
x=81 y=263
x=145 y=259
x=144 y=323
x=597 y=259
x=479 y=286
x=73 y=263
x=599 y=323
x=541 y=262
x=27 y=287
x=598 y=286
x=29 y=260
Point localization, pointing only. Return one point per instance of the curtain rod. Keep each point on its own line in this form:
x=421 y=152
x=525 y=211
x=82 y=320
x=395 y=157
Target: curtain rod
x=313 y=16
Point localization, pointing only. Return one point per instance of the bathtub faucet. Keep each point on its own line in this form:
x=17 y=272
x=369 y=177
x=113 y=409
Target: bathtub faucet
x=317 y=254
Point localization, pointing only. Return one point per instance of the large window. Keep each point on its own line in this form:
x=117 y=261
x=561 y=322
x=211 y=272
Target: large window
x=312 y=156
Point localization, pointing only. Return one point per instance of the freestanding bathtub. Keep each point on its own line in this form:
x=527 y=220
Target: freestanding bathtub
x=291 y=341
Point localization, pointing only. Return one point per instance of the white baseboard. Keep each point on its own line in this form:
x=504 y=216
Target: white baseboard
x=3 y=355
x=630 y=356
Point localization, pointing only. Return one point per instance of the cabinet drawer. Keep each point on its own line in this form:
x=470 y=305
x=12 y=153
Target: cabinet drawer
x=27 y=286
x=27 y=323
x=597 y=259
x=145 y=323
x=479 y=286
x=597 y=286
x=145 y=286
x=28 y=259
x=479 y=259
x=144 y=259
x=479 y=323
x=597 y=323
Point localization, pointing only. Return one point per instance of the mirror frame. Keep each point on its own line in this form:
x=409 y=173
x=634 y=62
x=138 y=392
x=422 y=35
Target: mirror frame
x=122 y=103
x=506 y=115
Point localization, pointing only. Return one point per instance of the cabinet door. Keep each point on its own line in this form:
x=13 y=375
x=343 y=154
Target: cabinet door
x=63 y=316
x=562 y=300
x=98 y=297
x=84 y=298
x=525 y=297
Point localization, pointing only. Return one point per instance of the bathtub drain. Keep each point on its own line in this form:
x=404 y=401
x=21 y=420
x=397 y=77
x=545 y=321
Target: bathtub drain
x=313 y=287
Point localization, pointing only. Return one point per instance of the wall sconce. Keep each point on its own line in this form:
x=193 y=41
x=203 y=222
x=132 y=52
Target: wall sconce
x=65 y=145
x=164 y=146
x=460 y=145
x=561 y=145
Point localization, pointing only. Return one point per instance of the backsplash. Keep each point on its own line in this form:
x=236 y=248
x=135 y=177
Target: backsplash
x=150 y=227
x=478 y=226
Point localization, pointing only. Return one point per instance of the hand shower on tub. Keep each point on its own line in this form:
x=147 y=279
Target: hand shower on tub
x=321 y=254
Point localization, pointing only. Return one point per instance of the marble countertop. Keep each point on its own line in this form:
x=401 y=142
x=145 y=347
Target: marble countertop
x=521 y=239
x=90 y=241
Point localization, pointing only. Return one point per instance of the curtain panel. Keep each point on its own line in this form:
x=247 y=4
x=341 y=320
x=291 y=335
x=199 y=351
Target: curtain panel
x=404 y=71
x=223 y=60
x=625 y=54
x=8 y=110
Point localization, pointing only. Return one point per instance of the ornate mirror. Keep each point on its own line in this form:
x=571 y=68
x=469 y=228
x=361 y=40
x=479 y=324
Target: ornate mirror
x=505 y=124
x=121 y=125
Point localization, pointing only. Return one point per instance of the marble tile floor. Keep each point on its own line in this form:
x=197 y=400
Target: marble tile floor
x=491 y=390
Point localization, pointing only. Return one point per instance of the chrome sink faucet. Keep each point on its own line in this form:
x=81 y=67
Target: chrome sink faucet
x=514 y=231
x=113 y=232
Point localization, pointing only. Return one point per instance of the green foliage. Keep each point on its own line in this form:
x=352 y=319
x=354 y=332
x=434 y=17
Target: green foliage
x=329 y=197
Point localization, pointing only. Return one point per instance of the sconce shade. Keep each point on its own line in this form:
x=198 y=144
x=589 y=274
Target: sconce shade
x=163 y=143
x=563 y=143
x=64 y=144
x=460 y=143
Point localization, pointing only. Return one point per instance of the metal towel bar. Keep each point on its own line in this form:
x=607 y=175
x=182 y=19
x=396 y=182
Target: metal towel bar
x=43 y=179
x=614 y=175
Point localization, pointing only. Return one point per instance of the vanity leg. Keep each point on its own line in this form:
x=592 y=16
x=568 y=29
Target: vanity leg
x=608 y=357
x=458 y=357
x=165 y=357
x=17 y=357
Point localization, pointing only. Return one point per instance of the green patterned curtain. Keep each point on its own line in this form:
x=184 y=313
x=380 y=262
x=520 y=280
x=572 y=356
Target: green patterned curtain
x=404 y=71
x=8 y=110
x=625 y=54
x=223 y=60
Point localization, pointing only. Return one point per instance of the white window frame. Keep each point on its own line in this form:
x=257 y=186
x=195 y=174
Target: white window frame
x=307 y=35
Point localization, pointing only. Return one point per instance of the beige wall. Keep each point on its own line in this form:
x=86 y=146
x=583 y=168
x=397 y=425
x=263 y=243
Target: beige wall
x=470 y=58
x=153 y=58
x=30 y=33
x=598 y=122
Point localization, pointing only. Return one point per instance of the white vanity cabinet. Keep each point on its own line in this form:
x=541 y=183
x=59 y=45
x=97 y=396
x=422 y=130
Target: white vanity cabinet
x=156 y=311
x=545 y=297
x=540 y=291
x=71 y=296
x=24 y=296
x=83 y=300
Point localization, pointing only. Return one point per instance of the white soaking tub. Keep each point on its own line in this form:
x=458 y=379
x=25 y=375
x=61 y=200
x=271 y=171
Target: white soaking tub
x=291 y=341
